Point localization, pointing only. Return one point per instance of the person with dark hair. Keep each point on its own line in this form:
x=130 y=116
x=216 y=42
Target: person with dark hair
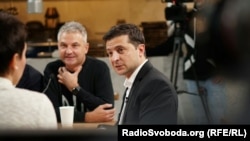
x=79 y=80
x=229 y=30
x=200 y=73
x=150 y=98
x=31 y=79
x=19 y=108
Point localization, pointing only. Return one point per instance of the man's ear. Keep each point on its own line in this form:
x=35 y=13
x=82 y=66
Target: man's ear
x=87 y=48
x=14 y=62
x=141 y=48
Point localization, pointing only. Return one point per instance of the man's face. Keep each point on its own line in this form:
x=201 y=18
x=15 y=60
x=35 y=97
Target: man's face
x=72 y=49
x=124 y=56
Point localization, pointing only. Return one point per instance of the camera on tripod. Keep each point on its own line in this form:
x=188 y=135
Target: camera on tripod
x=178 y=11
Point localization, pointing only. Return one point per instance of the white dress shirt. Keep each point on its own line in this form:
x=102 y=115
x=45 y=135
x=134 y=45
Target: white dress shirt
x=128 y=85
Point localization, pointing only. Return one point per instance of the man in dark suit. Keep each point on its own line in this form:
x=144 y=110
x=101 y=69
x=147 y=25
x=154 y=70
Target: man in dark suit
x=31 y=79
x=150 y=98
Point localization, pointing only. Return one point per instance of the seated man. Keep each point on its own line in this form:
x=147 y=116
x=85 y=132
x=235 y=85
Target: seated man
x=150 y=97
x=79 y=80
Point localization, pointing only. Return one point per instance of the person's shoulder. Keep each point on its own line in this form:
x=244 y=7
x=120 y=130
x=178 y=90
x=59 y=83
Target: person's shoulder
x=156 y=73
x=96 y=61
x=30 y=95
x=28 y=66
x=34 y=100
x=54 y=64
x=31 y=70
x=27 y=92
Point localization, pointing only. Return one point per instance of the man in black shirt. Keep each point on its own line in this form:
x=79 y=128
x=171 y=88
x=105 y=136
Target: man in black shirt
x=79 y=80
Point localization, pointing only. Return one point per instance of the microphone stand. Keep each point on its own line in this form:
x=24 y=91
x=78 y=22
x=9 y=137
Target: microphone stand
x=176 y=54
x=47 y=86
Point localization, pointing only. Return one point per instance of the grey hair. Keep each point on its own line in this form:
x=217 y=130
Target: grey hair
x=73 y=27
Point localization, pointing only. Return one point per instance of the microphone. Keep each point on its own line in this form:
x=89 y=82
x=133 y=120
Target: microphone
x=126 y=99
x=47 y=86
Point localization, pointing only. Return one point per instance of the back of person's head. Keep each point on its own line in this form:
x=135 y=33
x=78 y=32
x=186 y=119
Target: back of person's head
x=73 y=27
x=230 y=34
x=12 y=39
x=134 y=33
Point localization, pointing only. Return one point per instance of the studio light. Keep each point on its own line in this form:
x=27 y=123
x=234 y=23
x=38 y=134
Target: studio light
x=35 y=6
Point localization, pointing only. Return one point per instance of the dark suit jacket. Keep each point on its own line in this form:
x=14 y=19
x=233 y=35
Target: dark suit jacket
x=152 y=99
x=31 y=79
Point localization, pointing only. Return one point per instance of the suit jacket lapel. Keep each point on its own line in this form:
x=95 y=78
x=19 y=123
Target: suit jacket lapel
x=144 y=70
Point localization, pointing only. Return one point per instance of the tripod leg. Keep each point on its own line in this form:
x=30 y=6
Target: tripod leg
x=173 y=65
x=175 y=61
x=202 y=93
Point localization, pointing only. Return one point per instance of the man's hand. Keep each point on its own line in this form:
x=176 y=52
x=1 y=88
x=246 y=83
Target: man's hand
x=101 y=114
x=70 y=80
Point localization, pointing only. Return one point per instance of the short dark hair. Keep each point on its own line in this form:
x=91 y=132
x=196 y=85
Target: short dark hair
x=134 y=33
x=12 y=39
